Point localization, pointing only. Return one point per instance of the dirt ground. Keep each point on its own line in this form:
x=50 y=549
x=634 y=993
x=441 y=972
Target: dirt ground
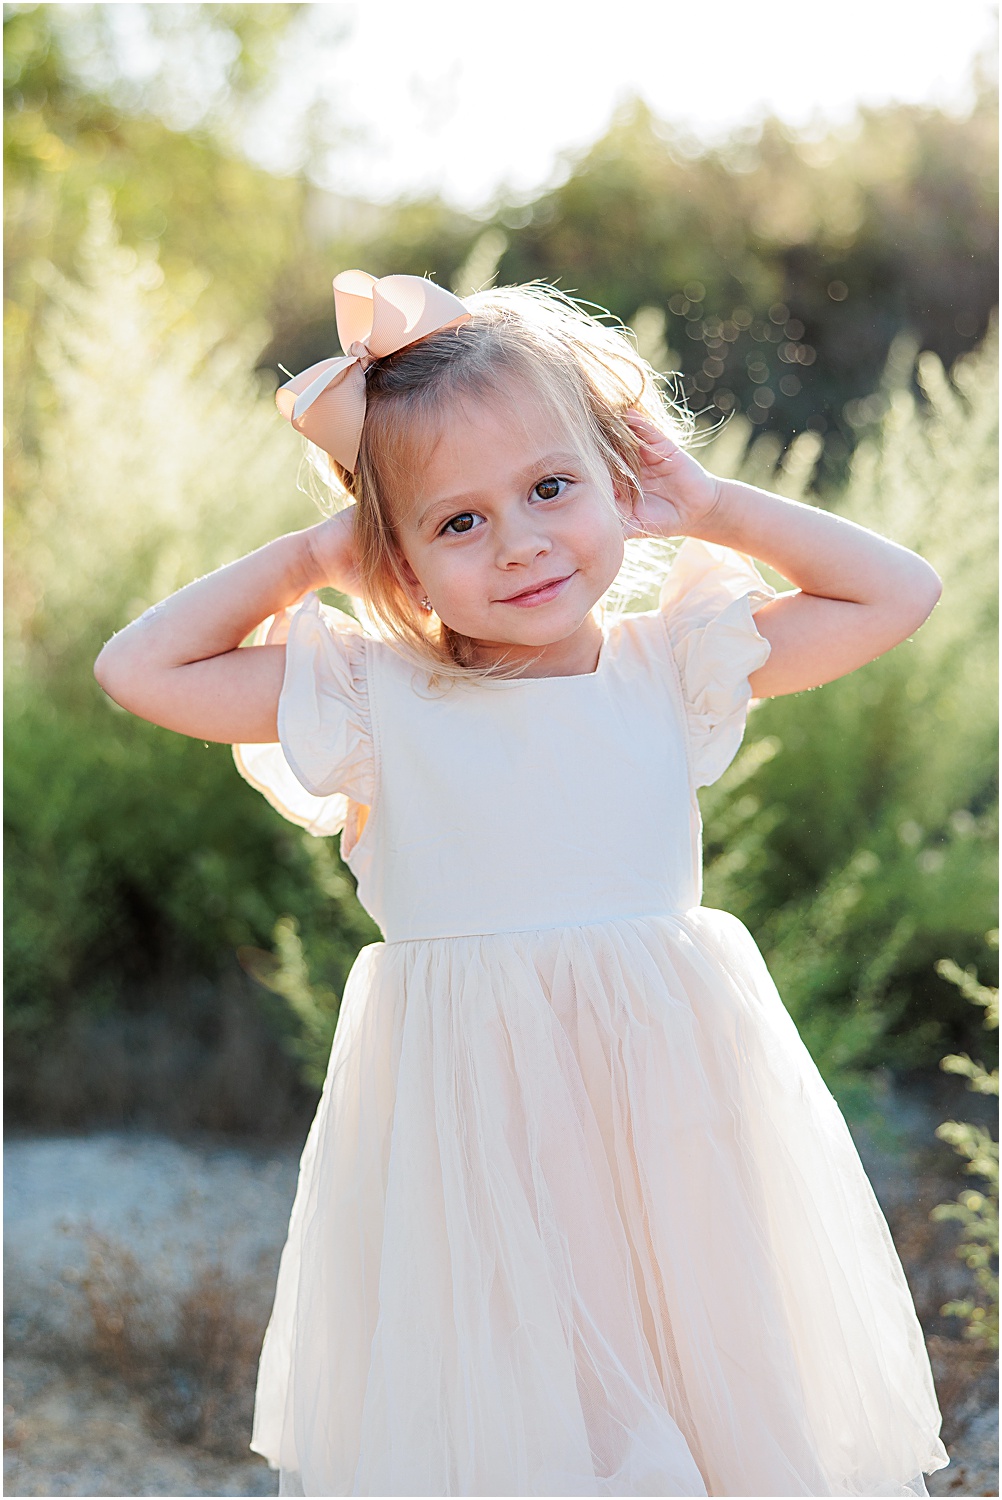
x=82 y=1432
x=140 y=1269
x=911 y=1171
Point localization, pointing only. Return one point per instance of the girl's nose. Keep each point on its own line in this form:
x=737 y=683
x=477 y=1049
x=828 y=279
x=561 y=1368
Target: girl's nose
x=521 y=541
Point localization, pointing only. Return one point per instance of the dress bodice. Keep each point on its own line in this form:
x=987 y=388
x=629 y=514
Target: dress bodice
x=498 y=806
x=541 y=802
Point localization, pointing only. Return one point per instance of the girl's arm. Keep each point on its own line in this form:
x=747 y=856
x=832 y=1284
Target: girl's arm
x=858 y=594
x=178 y=665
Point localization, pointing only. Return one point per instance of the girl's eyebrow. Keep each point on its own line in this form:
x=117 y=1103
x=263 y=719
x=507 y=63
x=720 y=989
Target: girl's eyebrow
x=455 y=502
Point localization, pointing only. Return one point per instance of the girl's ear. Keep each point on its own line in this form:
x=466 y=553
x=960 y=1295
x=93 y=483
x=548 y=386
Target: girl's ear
x=625 y=495
x=410 y=577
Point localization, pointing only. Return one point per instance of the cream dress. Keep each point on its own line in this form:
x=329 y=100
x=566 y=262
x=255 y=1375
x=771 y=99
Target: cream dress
x=577 y=1214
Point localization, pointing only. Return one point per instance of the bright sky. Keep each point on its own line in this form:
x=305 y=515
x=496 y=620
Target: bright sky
x=479 y=99
x=470 y=97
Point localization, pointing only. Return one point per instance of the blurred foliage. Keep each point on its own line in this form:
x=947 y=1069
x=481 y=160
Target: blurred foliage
x=856 y=833
x=132 y=851
x=315 y=1005
x=177 y=194
x=977 y=1213
x=785 y=265
x=815 y=291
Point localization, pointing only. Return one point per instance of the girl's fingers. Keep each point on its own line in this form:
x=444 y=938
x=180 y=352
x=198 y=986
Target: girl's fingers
x=651 y=436
x=641 y=425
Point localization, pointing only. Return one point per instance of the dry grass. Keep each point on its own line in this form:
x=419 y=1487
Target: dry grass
x=965 y=1375
x=962 y=1373
x=191 y=1352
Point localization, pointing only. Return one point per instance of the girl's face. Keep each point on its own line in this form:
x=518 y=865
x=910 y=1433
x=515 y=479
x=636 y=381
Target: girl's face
x=511 y=537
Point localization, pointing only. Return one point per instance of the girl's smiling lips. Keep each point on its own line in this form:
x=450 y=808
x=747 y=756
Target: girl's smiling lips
x=540 y=593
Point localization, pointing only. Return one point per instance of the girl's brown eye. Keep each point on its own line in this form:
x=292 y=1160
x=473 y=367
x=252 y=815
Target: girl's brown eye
x=548 y=489
x=461 y=523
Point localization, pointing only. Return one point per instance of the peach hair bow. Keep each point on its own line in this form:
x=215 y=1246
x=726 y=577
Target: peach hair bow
x=326 y=403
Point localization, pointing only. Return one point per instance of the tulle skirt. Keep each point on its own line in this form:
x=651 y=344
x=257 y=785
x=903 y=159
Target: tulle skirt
x=577 y=1216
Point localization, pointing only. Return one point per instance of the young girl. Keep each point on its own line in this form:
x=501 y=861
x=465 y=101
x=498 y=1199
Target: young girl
x=577 y=1215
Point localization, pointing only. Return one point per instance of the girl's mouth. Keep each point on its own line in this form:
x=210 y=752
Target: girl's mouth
x=540 y=593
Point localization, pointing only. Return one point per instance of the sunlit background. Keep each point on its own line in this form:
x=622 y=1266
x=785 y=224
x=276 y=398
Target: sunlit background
x=792 y=209
x=474 y=101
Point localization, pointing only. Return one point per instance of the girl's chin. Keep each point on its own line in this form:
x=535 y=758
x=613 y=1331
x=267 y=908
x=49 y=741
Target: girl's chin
x=539 y=624
x=539 y=628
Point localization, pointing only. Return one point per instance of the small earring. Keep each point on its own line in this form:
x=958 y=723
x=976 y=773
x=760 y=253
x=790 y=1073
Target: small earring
x=426 y=604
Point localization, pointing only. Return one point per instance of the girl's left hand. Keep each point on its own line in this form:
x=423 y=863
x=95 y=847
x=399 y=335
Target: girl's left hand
x=678 y=495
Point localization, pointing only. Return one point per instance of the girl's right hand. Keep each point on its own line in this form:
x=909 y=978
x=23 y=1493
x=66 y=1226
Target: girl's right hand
x=332 y=546
x=181 y=664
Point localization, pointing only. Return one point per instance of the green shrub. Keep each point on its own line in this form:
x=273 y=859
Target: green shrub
x=976 y=1212
x=314 y=1006
x=131 y=851
x=856 y=832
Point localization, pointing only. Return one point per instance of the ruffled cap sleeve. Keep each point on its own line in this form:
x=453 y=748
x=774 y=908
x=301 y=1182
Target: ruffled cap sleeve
x=322 y=768
x=708 y=602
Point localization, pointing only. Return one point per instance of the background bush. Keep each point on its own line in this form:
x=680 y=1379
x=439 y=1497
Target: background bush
x=975 y=1209
x=857 y=831
x=132 y=853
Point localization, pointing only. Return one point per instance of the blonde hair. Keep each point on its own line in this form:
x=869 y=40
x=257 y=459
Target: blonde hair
x=584 y=372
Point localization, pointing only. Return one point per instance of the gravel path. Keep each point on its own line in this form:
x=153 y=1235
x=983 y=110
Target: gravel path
x=76 y=1425
x=168 y=1202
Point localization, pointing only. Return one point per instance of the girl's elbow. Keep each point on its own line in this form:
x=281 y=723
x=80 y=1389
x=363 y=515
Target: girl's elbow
x=112 y=673
x=922 y=598
x=930 y=590
x=102 y=668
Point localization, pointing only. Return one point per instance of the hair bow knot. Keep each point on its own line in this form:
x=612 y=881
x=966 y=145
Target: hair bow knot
x=326 y=403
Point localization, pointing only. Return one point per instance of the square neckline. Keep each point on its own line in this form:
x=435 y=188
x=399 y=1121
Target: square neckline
x=603 y=652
